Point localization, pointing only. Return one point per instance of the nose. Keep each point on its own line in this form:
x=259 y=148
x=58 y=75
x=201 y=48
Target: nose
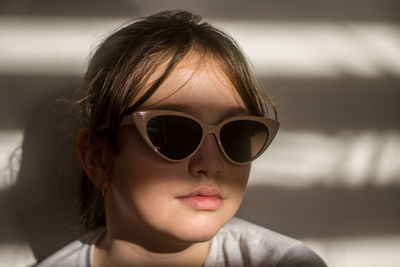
x=208 y=160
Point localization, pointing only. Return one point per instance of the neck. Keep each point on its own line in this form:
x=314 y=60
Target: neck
x=111 y=251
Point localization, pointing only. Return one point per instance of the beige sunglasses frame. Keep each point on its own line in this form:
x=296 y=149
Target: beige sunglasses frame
x=140 y=119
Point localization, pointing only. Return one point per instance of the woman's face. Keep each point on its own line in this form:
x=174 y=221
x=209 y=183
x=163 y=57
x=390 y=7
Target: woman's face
x=150 y=198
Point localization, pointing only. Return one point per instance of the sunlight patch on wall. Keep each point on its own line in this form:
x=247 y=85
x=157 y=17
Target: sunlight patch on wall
x=347 y=158
x=16 y=255
x=10 y=156
x=320 y=49
x=366 y=251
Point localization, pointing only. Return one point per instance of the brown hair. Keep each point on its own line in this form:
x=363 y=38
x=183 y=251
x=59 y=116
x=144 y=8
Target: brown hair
x=124 y=62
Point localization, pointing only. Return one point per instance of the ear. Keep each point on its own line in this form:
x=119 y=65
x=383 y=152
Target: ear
x=95 y=157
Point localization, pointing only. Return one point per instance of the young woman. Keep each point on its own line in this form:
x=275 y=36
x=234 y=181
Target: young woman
x=172 y=120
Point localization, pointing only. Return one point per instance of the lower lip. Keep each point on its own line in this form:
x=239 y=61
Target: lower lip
x=203 y=202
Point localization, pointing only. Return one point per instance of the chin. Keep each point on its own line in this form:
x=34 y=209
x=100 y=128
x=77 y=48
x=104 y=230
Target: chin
x=200 y=228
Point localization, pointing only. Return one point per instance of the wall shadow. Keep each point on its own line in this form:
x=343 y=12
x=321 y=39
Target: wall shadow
x=43 y=201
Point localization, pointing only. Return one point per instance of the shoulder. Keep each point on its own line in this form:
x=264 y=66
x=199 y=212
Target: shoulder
x=77 y=253
x=241 y=243
x=249 y=235
x=300 y=256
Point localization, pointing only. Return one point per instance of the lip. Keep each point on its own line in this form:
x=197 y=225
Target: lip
x=204 y=198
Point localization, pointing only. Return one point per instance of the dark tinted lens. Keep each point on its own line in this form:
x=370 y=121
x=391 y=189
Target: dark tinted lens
x=243 y=139
x=175 y=137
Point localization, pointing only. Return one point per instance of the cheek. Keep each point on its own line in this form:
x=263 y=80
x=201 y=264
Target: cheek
x=138 y=175
x=235 y=183
x=237 y=178
x=143 y=195
x=141 y=180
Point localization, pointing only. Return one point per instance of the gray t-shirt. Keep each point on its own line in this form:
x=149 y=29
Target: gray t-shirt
x=238 y=243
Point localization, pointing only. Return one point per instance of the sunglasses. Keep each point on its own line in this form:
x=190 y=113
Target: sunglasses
x=176 y=136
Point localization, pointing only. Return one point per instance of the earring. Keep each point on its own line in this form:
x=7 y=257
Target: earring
x=103 y=189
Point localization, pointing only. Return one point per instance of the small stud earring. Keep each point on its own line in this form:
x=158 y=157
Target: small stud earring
x=103 y=188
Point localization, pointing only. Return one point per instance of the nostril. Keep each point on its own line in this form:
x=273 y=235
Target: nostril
x=201 y=172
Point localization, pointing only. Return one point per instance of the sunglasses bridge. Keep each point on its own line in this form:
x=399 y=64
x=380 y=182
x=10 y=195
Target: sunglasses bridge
x=214 y=130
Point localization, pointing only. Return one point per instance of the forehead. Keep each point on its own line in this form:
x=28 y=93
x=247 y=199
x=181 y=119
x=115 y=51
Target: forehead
x=199 y=83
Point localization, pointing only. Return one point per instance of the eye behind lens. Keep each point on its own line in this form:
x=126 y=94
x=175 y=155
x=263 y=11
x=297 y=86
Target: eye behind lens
x=243 y=140
x=175 y=137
